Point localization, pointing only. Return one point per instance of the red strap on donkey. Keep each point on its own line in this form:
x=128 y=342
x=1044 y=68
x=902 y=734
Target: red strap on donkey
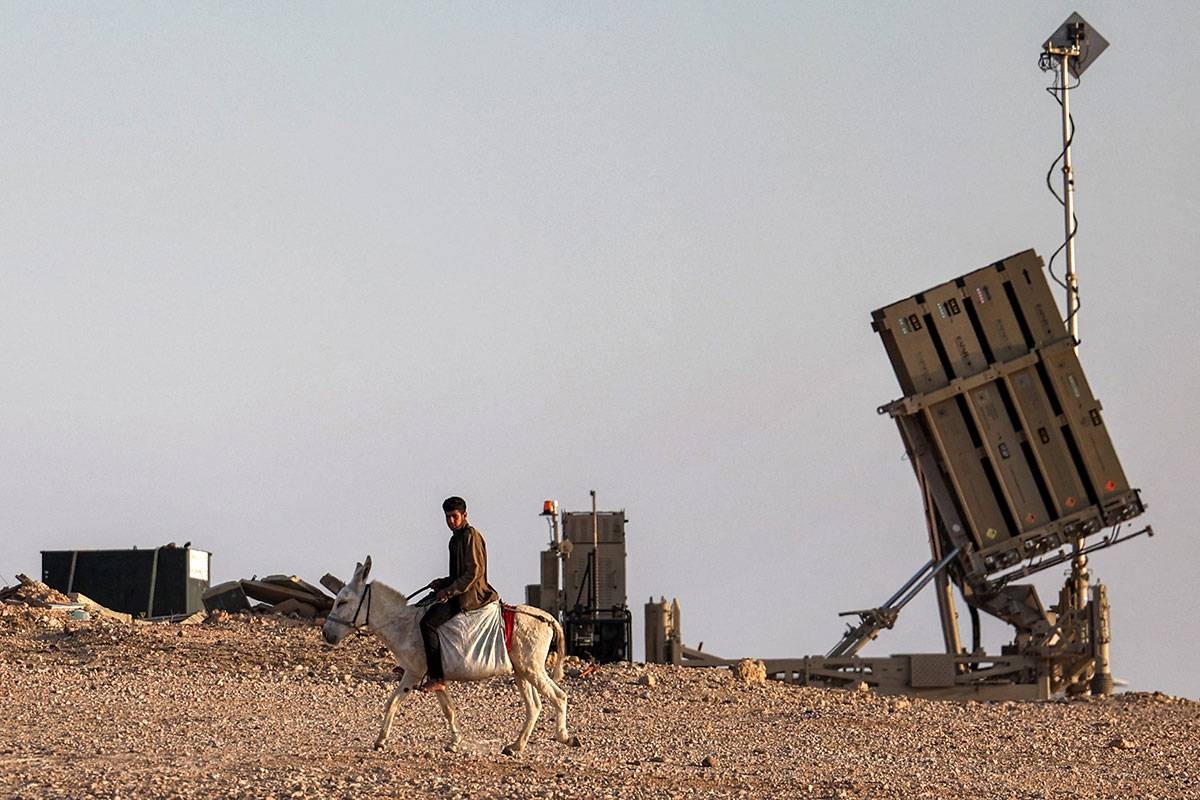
x=509 y=615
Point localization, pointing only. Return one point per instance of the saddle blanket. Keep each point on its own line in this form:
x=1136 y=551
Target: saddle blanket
x=474 y=645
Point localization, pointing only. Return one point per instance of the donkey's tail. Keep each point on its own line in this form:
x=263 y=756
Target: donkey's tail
x=558 y=650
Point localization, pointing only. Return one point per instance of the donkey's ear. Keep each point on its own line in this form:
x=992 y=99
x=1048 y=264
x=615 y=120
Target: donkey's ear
x=366 y=568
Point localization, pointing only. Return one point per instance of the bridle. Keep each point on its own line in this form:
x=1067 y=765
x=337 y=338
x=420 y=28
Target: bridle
x=363 y=600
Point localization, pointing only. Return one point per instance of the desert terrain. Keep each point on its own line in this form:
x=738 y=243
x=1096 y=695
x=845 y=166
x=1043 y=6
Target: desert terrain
x=257 y=706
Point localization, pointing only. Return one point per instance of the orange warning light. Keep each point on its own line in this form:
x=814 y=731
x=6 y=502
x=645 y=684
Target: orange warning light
x=549 y=508
x=1070 y=502
x=1110 y=486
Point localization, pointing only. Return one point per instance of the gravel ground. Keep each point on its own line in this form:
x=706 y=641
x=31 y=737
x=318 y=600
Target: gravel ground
x=256 y=706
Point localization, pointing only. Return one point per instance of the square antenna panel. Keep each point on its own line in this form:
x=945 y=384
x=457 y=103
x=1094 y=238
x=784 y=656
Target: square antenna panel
x=1076 y=32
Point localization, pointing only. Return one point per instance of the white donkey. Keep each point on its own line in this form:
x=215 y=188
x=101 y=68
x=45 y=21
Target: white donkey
x=384 y=612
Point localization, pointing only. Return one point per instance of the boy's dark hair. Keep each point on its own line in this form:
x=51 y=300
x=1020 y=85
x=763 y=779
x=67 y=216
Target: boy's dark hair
x=454 y=504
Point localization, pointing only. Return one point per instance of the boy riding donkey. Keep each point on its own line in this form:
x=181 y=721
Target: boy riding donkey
x=466 y=588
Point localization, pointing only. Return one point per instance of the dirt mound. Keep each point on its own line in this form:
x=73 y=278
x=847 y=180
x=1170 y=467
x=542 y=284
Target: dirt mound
x=32 y=593
x=31 y=605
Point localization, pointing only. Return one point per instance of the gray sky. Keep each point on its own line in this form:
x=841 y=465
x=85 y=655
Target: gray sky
x=277 y=278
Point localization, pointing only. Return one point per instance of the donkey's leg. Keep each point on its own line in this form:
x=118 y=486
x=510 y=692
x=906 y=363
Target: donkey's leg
x=535 y=697
x=533 y=707
x=451 y=715
x=558 y=698
x=389 y=708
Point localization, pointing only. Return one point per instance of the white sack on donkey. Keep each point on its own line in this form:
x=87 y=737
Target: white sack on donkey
x=384 y=612
x=473 y=646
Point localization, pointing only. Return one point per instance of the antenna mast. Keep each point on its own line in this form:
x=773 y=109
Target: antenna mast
x=1069 y=51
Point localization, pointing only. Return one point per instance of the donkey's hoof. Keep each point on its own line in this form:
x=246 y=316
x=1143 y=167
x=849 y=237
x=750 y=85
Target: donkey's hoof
x=510 y=750
x=378 y=744
x=574 y=742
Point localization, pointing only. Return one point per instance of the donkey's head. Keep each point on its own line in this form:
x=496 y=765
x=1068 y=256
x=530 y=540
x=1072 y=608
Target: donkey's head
x=351 y=607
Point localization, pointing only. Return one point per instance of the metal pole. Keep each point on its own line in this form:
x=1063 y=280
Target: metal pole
x=153 y=582
x=945 y=594
x=941 y=565
x=1079 y=568
x=560 y=574
x=595 y=557
x=71 y=577
x=1069 y=200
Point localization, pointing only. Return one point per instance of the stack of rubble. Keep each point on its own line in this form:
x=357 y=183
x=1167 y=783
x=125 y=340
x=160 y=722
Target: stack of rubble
x=76 y=605
x=32 y=593
x=281 y=594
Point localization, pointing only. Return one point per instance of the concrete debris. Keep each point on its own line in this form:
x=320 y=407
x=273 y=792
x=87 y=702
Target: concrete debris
x=92 y=607
x=280 y=594
x=296 y=584
x=294 y=607
x=275 y=589
x=9 y=591
x=32 y=604
x=227 y=596
x=33 y=593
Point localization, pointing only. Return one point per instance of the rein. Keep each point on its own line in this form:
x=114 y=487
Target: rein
x=365 y=598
